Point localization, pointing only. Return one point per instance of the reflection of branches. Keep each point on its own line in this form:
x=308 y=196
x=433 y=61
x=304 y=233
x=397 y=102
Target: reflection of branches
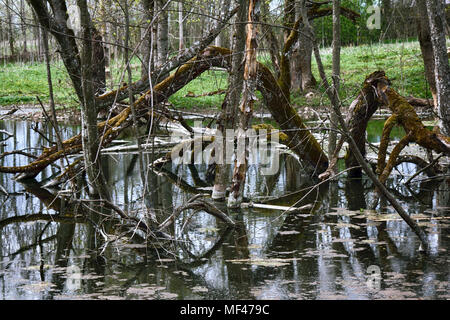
x=314 y=187
x=197 y=180
x=430 y=172
x=4 y=132
x=198 y=205
x=179 y=182
x=202 y=259
x=29 y=247
x=42 y=217
x=419 y=196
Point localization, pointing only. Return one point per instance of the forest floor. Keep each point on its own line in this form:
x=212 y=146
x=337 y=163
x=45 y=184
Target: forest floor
x=20 y=84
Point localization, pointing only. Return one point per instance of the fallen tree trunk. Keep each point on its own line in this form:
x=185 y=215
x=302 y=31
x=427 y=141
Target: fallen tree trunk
x=142 y=85
x=300 y=139
x=375 y=93
x=358 y=116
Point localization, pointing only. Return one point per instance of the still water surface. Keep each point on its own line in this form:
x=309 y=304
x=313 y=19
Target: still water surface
x=335 y=250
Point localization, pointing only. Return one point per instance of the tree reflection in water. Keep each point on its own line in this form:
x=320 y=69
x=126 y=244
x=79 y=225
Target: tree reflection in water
x=322 y=253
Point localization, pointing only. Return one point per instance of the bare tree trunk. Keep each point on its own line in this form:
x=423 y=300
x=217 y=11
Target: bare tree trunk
x=162 y=32
x=91 y=143
x=423 y=34
x=246 y=106
x=335 y=73
x=180 y=26
x=289 y=17
x=229 y=111
x=50 y=93
x=302 y=78
x=99 y=63
x=56 y=23
x=436 y=18
x=37 y=35
x=24 y=27
x=147 y=43
x=222 y=37
x=305 y=54
x=12 y=51
x=386 y=18
x=271 y=40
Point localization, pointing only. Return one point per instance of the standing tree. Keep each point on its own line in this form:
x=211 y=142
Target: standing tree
x=335 y=75
x=245 y=106
x=147 y=41
x=90 y=138
x=162 y=31
x=426 y=47
x=436 y=19
x=227 y=118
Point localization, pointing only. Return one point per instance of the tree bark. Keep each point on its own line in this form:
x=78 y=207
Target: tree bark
x=335 y=73
x=271 y=40
x=57 y=25
x=228 y=115
x=426 y=47
x=24 y=28
x=436 y=19
x=180 y=26
x=90 y=141
x=246 y=106
x=147 y=45
x=162 y=32
x=99 y=63
x=11 y=41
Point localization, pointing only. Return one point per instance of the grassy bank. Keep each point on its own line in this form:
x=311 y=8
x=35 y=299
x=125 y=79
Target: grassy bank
x=19 y=84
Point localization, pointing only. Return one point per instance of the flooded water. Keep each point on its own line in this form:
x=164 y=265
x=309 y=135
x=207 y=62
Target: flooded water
x=336 y=249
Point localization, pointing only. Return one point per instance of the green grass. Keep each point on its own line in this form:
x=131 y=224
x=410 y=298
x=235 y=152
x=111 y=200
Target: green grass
x=402 y=63
x=19 y=84
x=209 y=81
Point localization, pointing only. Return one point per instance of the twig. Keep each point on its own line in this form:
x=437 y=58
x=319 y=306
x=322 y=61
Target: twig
x=423 y=169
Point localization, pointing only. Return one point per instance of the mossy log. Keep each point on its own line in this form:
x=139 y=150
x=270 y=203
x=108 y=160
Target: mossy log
x=301 y=141
x=358 y=116
x=403 y=114
x=376 y=92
